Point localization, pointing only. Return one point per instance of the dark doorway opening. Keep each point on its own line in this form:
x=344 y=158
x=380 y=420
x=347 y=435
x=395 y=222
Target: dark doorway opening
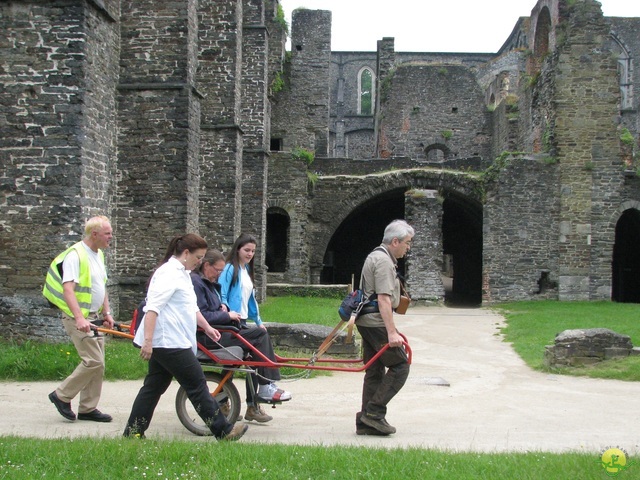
x=277 y=240
x=462 y=248
x=626 y=259
x=360 y=233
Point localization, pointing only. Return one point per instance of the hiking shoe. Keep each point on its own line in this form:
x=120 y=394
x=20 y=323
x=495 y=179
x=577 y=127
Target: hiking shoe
x=271 y=393
x=362 y=429
x=64 y=408
x=380 y=424
x=257 y=413
x=238 y=430
x=365 y=430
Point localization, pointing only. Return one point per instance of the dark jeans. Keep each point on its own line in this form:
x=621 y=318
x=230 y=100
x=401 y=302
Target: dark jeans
x=386 y=376
x=181 y=364
x=259 y=338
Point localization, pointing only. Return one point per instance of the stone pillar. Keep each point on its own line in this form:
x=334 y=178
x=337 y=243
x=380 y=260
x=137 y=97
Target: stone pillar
x=589 y=161
x=384 y=67
x=221 y=145
x=159 y=118
x=255 y=112
x=423 y=211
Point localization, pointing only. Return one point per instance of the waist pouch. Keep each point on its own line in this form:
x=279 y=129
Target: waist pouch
x=370 y=307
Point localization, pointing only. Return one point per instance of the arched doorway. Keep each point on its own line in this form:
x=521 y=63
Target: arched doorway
x=626 y=258
x=277 y=240
x=358 y=234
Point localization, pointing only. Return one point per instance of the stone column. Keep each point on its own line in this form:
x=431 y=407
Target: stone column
x=586 y=96
x=255 y=114
x=158 y=143
x=423 y=211
x=221 y=144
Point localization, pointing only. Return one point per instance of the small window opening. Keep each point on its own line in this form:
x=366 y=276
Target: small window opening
x=276 y=145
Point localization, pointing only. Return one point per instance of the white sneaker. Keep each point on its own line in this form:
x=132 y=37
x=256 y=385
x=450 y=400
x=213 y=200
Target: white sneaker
x=272 y=393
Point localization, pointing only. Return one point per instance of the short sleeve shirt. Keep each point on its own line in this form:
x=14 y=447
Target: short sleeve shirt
x=172 y=297
x=379 y=276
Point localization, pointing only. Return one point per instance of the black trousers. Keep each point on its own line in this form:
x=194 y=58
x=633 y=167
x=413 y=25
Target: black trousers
x=181 y=364
x=386 y=376
x=260 y=339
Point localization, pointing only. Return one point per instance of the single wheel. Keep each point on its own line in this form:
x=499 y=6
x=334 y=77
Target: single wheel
x=190 y=418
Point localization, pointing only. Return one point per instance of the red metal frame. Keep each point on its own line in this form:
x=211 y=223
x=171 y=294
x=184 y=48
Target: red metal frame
x=291 y=362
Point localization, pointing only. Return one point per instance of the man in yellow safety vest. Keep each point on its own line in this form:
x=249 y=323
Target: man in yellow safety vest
x=76 y=284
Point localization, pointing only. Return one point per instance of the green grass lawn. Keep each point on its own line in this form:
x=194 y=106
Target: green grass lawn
x=532 y=325
x=119 y=458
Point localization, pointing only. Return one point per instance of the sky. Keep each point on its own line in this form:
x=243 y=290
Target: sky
x=431 y=25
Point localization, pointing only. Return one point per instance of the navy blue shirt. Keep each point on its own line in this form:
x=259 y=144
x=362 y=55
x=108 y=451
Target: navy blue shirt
x=209 y=301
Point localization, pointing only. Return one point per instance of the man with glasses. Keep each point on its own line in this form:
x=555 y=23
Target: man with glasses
x=207 y=288
x=387 y=375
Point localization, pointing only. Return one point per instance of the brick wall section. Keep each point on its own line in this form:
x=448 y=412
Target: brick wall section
x=302 y=109
x=423 y=211
x=221 y=148
x=159 y=116
x=586 y=95
x=288 y=190
x=254 y=112
x=58 y=144
x=421 y=102
x=520 y=230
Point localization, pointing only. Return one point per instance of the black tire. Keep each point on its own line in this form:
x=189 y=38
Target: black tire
x=188 y=415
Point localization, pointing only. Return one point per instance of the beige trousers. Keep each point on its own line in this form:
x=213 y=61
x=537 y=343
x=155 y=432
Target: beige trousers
x=87 y=378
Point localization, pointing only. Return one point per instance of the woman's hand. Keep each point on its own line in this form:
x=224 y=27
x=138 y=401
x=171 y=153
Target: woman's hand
x=212 y=333
x=146 y=350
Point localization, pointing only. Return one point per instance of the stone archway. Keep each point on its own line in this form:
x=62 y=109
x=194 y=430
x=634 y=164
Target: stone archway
x=359 y=233
x=346 y=229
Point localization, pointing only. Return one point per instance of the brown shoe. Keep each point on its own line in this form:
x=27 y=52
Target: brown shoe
x=257 y=413
x=236 y=433
x=380 y=424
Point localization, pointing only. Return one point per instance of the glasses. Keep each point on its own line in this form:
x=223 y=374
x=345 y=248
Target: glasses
x=408 y=243
x=219 y=270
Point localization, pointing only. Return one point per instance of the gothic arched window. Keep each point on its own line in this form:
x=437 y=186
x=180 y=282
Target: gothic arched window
x=365 y=91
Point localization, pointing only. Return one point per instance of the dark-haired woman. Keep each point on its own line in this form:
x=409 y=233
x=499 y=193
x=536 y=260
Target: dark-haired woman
x=167 y=339
x=236 y=283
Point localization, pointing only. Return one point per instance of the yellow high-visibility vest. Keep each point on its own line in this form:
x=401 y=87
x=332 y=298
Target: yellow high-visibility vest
x=53 y=290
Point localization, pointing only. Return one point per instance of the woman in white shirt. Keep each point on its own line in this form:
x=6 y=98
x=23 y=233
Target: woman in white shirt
x=167 y=339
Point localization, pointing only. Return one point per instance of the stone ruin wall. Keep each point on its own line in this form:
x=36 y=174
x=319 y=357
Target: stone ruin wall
x=207 y=143
x=58 y=139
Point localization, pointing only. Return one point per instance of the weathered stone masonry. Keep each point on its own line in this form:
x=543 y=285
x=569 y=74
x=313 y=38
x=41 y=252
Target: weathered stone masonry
x=174 y=116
